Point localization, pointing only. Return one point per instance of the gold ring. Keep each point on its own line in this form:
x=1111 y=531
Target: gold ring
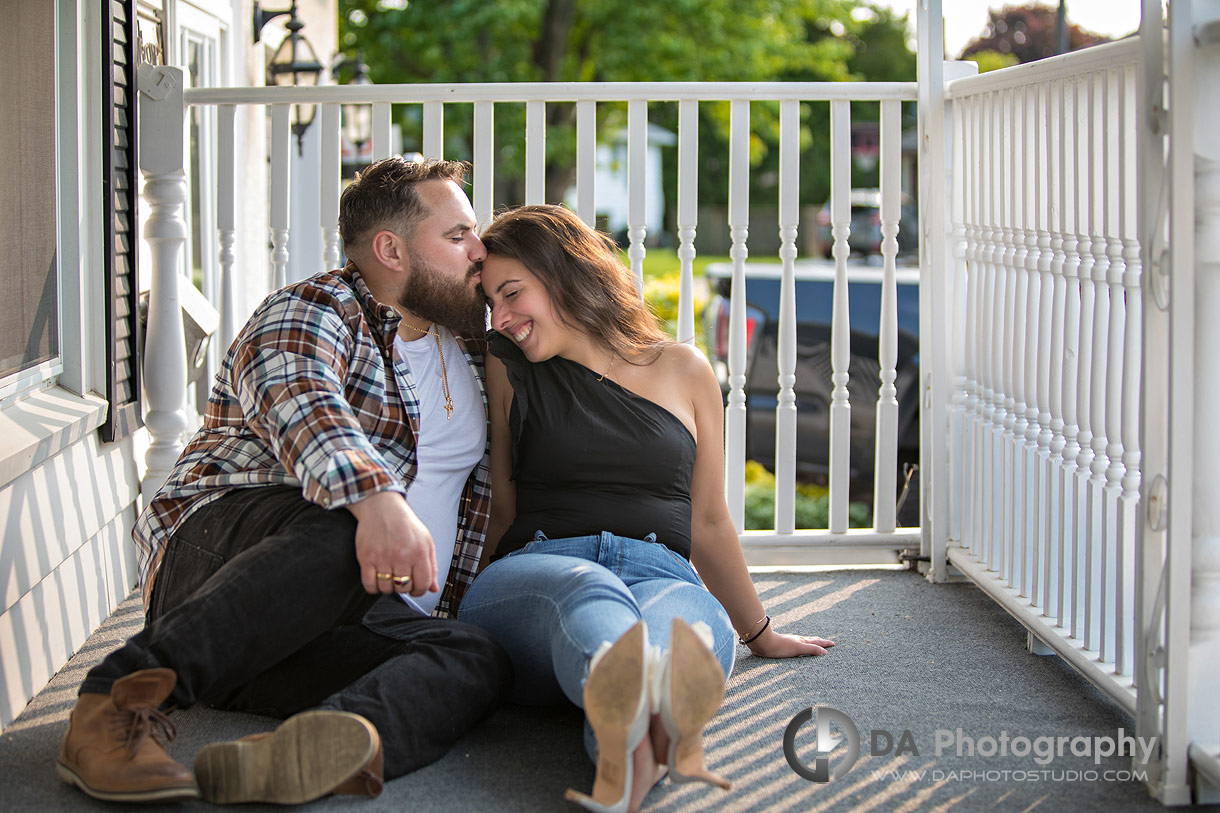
x=401 y=581
x=381 y=575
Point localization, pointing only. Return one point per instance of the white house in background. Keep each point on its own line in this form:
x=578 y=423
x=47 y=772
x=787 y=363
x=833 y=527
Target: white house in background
x=71 y=441
x=611 y=182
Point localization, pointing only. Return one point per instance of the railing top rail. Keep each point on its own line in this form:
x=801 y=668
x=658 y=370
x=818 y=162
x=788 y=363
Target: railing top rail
x=558 y=92
x=1100 y=57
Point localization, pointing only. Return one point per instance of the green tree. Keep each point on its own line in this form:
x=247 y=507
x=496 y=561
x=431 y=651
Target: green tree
x=1028 y=33
x=992 y=60
x=455 y=41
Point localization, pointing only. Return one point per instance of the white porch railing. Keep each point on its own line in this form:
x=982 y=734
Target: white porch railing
x=785 y=541
x=1065 y=371
x=1045 y=418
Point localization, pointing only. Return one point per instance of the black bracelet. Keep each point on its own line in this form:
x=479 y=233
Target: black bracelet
x=749 y=640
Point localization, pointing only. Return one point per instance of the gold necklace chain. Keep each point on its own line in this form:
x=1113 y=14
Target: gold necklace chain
x=602 y=377
x=444 y=376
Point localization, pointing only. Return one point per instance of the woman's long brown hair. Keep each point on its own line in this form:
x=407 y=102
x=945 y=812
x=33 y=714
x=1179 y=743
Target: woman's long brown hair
x=579 y=267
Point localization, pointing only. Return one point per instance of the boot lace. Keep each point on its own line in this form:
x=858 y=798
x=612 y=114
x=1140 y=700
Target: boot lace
x=140 y=724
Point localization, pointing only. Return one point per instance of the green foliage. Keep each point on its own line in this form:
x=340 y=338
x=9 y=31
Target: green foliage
x=457 y=41
x=812 y=503
x=662 y=285
x=992 y=60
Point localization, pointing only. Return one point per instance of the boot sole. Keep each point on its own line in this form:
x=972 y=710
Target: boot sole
x=306 y=758
x=167 y=794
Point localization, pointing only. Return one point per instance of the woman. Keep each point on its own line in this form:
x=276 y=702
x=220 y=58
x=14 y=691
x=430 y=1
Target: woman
x=607 y=484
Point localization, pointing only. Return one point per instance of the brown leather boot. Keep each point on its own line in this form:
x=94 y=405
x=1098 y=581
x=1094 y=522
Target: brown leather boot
x=112 y=748
x=311 y=755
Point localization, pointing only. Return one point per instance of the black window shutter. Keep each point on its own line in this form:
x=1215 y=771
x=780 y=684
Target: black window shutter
x=120 y=192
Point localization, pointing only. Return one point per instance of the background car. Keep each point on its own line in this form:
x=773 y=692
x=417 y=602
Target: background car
x=864 y=237
x=814 y=301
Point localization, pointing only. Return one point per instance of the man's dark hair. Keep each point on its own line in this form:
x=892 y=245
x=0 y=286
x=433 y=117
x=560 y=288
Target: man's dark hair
x=384 y=196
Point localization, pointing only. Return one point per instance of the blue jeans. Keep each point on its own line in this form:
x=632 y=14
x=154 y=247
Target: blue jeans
x=552 y=603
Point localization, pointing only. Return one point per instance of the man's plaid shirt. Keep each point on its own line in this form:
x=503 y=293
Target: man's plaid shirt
x=310 y=395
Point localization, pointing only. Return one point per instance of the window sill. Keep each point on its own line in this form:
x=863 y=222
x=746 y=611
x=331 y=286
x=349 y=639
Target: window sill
x=41 y=425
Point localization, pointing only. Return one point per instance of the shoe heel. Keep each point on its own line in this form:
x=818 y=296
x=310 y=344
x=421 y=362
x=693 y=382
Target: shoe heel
x=691 y=695
x=616 y=705
x=309 y=756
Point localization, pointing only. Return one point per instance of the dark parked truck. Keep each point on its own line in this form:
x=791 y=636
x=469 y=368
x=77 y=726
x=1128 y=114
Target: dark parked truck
x=814 y=304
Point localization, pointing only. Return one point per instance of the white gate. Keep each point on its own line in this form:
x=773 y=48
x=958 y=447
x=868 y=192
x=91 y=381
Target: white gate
x=1070 y=402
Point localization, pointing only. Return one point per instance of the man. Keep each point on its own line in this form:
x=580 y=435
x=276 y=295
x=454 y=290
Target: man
x=342 y=461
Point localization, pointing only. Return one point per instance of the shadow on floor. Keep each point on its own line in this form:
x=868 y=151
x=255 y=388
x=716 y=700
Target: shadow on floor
x=911 y=657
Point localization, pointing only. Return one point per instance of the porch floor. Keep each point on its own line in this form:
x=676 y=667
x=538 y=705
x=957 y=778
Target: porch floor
x=910 y=656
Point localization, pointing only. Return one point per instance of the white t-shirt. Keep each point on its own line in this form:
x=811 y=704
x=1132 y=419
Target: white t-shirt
x=446 y=450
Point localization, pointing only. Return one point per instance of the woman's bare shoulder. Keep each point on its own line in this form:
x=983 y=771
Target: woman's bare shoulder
x=684 y=360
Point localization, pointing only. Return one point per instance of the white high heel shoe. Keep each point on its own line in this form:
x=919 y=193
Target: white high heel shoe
x=616 y=705
x=689 y=690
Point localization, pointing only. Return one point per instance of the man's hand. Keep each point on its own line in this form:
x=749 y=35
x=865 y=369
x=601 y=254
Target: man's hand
x=392 y=542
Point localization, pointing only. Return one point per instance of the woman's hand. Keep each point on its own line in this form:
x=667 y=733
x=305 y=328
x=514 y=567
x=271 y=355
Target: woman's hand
x=772 y=644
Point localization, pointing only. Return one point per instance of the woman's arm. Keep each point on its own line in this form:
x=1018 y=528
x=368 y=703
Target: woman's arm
x=503 y=489
x=715 y=549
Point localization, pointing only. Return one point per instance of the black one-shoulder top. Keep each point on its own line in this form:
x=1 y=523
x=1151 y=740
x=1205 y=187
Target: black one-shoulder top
x=590 y=456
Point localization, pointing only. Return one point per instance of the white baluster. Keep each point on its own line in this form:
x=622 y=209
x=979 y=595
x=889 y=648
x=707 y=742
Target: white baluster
x=1058 y=201
x=1002 y=329
x=161 y=161
x=637 y=186
x=484 y=160
x=1031 y=506
x=688 y=213
x=383 y=131
x=1069 y=371
x=976 y=401
x=434 y=130
x=840 y=329
x=331 y=170
x=586 y=161
x=1048 y=190
x=1110 y=324
x=785 y=410
x=1016 y=308
x=281 y=157
x=885 y=486
x=226 y=223
x=1133 y=343
x=535 y=152
x=1088 y=522
x=960 y=510
x=989 y=332
x=739 y=221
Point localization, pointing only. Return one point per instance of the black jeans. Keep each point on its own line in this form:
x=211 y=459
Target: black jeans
x=258 y=607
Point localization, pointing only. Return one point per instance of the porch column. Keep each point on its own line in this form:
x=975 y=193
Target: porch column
x=1204 y=709
x=161 y=153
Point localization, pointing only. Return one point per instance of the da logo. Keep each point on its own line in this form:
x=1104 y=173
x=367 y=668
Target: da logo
x=825 y=743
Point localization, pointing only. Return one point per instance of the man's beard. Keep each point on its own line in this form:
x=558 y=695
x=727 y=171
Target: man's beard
x=455 y=304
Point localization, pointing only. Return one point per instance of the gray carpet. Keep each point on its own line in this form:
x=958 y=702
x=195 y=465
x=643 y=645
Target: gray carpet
x=911 y=656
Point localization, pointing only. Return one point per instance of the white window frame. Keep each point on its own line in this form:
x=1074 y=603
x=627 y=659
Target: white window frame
x=46 y=408
x=43 y=375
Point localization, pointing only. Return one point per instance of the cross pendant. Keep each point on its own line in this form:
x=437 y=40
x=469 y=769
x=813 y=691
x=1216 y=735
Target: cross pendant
x=448 y=411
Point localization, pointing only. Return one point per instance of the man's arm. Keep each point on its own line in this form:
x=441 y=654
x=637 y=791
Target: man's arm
x=289 y=376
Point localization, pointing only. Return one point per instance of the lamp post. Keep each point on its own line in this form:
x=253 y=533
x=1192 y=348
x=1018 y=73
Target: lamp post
x=294 y=63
